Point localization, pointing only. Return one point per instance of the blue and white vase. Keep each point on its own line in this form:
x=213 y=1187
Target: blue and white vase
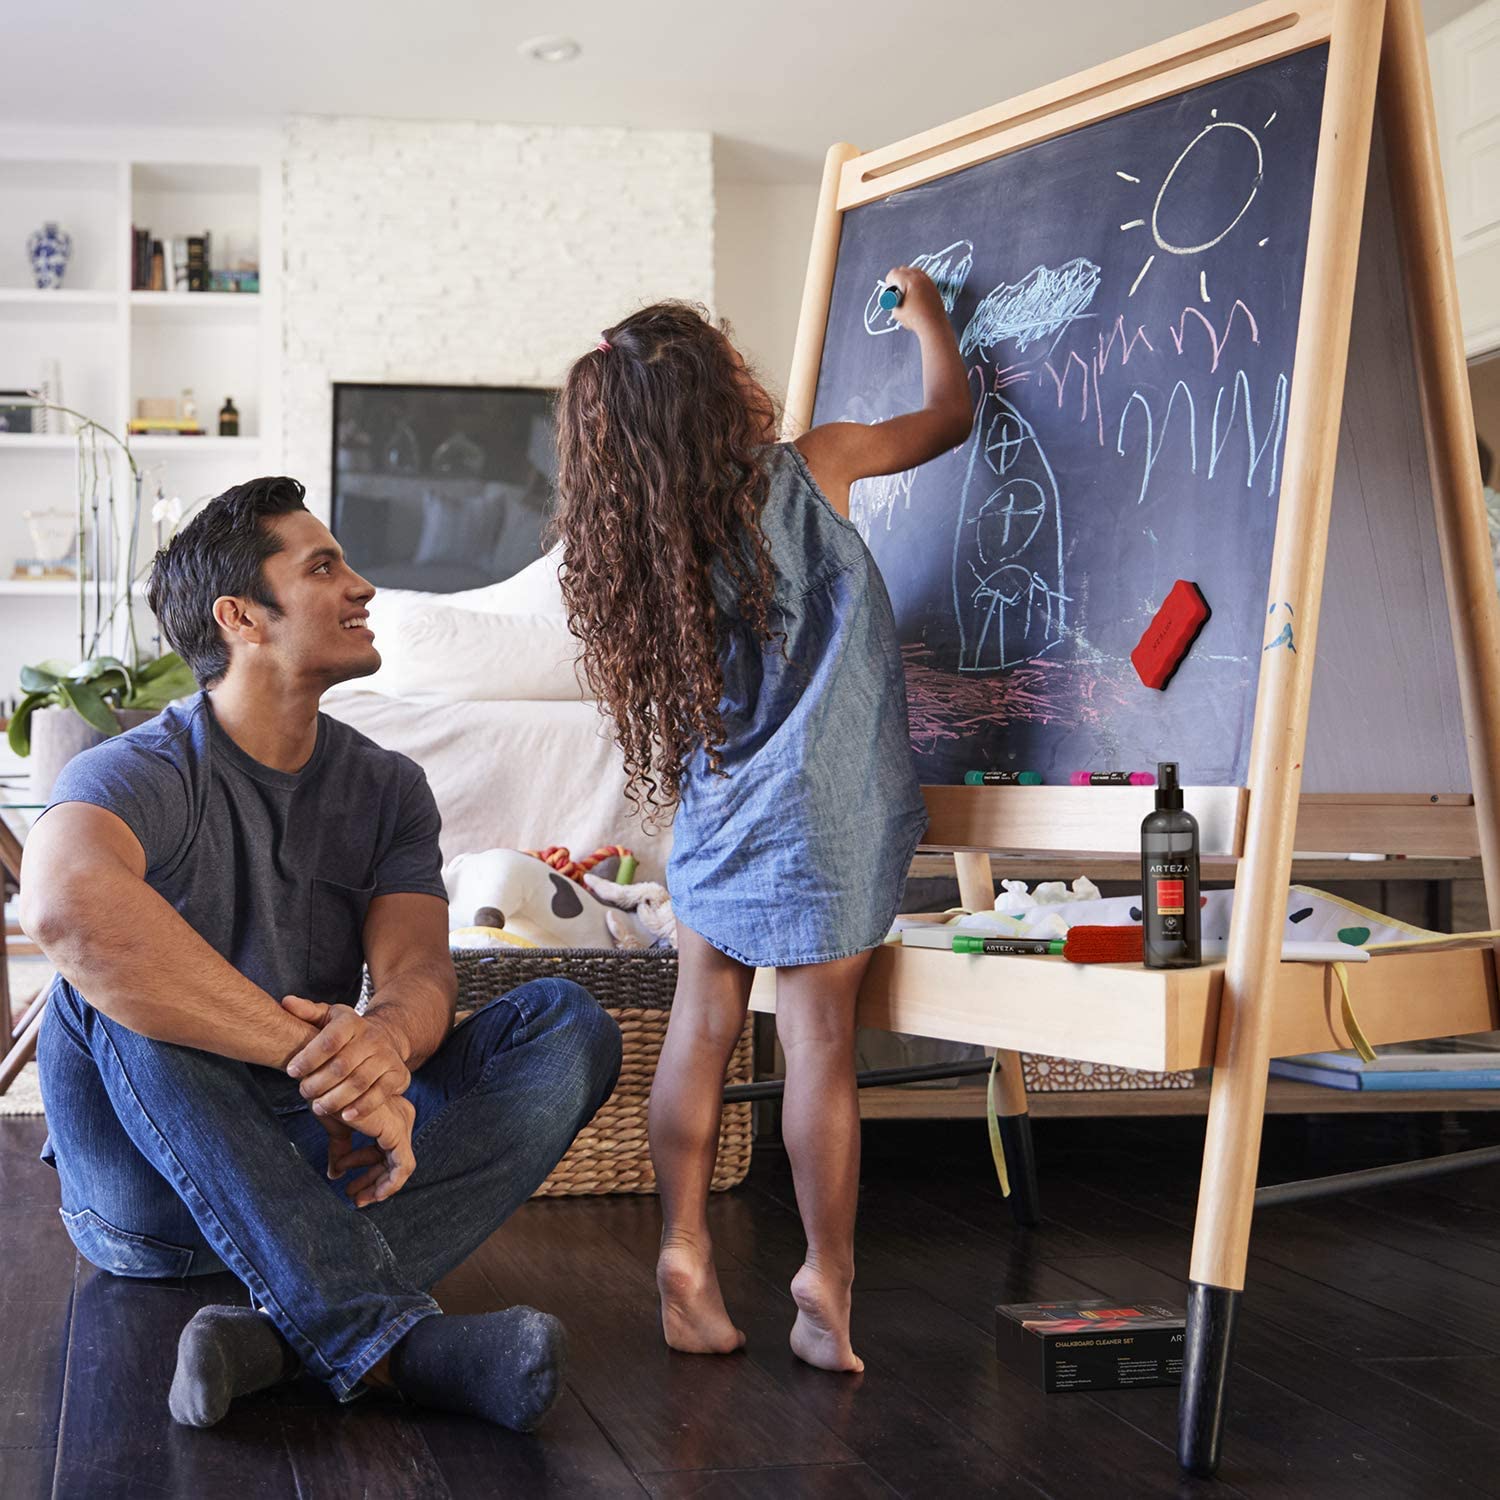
x=49 y=249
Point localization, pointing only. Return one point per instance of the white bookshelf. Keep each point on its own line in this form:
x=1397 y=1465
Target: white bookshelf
x=115 y=345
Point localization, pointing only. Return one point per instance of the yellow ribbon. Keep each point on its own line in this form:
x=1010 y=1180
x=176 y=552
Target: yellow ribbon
x=997 y=1150
x=1351 y=1021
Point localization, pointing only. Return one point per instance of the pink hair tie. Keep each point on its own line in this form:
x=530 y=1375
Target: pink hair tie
x=604 y=344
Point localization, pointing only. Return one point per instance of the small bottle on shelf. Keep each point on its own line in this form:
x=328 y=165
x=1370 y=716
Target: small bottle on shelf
x=187 y=408
x=229 y=419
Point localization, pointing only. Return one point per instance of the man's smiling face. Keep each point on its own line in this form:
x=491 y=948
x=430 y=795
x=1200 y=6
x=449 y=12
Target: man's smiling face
x=323 y=629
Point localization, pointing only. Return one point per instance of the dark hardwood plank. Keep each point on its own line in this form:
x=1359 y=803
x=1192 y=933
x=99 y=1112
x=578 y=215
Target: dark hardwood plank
x=25 y=1182
x=1467 y=1384
x=904 y=1440
x=26 y=1473
x=31 y=1375
x=807 y=1482
x=117 y=1438
x=362 y=1447
x=663 y=1411
x=36 y=1255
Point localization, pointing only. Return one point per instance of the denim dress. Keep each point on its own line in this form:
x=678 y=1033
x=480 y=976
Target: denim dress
x=800 y=854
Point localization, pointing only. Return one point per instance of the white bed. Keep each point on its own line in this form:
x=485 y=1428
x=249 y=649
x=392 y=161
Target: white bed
x=480 y=690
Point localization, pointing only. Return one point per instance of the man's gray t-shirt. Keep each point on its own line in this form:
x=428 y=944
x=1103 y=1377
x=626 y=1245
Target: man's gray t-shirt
x=274 y=870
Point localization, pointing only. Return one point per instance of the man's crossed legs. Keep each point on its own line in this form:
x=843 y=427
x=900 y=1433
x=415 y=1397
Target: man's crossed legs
x=176 y=1162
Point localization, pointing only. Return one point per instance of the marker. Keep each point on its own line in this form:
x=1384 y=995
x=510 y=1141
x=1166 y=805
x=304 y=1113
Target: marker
x=1002 y=778
x=964 y=943
x=1112 y=778
x=890 y=298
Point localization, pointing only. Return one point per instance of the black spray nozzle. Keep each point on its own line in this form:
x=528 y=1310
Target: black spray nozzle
x=1168 y=789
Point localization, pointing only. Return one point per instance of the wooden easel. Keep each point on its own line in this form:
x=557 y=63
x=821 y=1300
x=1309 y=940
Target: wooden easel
x=1236 y=1016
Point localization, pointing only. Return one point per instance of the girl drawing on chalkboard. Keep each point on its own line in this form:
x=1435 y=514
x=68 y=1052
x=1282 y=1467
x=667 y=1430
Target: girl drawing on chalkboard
x=735 y=628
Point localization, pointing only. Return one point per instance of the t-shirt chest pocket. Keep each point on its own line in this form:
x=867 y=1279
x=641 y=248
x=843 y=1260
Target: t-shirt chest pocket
x=335 y=940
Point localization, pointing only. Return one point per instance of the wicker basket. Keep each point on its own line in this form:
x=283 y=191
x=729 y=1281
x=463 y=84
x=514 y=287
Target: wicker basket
x=636 y=988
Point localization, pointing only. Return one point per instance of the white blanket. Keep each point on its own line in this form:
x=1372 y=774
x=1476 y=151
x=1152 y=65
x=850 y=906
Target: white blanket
x=512 y=775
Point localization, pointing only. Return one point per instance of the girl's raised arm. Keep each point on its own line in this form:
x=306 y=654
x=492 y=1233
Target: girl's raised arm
x=838 y=453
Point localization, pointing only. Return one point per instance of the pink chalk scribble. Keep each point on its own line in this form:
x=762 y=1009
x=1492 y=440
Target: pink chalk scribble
x=946 y=705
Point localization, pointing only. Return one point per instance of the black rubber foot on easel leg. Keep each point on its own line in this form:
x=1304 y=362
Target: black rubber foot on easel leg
x=1211 y=1314
x=1020 y=1166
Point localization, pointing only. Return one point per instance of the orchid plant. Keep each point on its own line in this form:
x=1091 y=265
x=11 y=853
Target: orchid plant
x=112 y=670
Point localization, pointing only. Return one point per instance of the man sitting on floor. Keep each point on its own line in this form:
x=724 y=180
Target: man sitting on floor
x=209 y=886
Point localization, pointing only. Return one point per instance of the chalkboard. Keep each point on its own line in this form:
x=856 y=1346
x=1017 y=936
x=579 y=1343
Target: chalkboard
x=1126 y=298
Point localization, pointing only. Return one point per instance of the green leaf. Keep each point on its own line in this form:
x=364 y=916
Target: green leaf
x=89 y=706
x=167 y=662
x=97 y=666
x=162 y=682
x=19 y=733
x=38 y=679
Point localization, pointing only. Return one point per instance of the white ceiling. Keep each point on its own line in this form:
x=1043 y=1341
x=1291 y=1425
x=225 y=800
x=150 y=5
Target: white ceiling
x=775 y=80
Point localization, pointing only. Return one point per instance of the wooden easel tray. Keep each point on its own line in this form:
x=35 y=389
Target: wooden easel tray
x=1135 y=1017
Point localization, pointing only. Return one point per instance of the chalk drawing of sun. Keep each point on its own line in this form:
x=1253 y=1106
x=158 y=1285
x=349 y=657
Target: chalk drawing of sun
x=1185 y=220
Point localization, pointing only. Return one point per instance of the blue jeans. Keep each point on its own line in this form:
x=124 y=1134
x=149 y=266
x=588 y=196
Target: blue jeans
x=176 y=1162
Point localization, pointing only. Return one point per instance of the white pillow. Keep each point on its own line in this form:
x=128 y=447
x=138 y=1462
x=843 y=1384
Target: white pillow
x=431 y=649
x=533 y=591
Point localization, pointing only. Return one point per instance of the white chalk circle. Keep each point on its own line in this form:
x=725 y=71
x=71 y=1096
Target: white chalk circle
x=1260 y=163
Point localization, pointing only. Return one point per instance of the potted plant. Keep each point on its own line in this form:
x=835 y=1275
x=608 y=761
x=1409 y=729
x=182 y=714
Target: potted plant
x=115 y=683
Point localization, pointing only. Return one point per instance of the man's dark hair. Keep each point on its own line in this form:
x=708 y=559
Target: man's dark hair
x=220 y=551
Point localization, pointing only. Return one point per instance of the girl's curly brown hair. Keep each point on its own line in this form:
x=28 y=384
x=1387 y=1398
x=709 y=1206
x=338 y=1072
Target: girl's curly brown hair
x=660 y=431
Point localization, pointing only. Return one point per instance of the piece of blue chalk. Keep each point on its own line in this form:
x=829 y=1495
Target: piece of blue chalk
x=890 y=297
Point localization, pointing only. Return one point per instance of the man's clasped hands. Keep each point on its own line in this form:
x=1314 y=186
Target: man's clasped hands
x=353 y=1073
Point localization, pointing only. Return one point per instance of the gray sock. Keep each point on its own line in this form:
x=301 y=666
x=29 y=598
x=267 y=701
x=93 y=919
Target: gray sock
x=226 y=1352
x=506 y=1367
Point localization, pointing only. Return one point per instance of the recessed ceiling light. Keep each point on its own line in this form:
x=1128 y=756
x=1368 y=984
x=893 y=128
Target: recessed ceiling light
x=550 y=49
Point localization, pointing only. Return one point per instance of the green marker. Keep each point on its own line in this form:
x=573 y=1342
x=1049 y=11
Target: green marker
x=1002 y=778
x=1031 y=947
x=890 y=298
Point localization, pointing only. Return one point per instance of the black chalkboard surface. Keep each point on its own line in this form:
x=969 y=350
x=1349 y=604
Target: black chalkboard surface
x=1126 y=297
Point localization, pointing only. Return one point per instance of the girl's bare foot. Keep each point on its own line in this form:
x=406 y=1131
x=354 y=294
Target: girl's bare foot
x=821 y=1333
x=694 y=1319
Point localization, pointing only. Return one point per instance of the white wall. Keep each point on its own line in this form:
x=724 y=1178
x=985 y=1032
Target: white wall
x=1465 y=58
x=473 y=254
x=761 y=235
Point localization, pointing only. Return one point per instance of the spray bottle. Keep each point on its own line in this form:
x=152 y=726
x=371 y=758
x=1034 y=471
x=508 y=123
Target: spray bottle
x=1169 y=877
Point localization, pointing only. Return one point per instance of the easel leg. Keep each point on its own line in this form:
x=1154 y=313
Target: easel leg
x=976 y=890
x=1221 y=1242
x=1211 y=1317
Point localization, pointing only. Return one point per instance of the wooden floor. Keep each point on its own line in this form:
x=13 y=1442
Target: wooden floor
x=1369 y=1356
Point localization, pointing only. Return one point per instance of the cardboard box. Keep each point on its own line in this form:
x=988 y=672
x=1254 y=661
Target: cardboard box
x=1093 y=1345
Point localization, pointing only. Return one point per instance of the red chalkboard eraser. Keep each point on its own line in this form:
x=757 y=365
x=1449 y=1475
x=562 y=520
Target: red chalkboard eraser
x=1172 y=630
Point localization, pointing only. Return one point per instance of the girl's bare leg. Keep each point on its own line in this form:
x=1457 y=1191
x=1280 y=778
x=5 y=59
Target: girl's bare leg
x=820 y=1123
x=708 y=1014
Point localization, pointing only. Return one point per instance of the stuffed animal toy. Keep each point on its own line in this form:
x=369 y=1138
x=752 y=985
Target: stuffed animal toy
x=522 y=896
x=647 y=902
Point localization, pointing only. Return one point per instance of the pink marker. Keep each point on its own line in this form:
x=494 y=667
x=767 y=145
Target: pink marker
x=1112 y=778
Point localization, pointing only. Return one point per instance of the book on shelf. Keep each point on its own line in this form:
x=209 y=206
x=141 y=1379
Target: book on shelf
x=182 y=263
x=162 y=426
x=197 y=262
x=1340 y=1071
x=1445 y=1054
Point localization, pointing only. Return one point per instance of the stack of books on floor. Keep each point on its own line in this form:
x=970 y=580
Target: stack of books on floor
x=1447 y=1063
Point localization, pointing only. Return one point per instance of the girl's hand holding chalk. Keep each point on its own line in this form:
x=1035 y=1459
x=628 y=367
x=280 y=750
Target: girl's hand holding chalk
x=917 y=298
